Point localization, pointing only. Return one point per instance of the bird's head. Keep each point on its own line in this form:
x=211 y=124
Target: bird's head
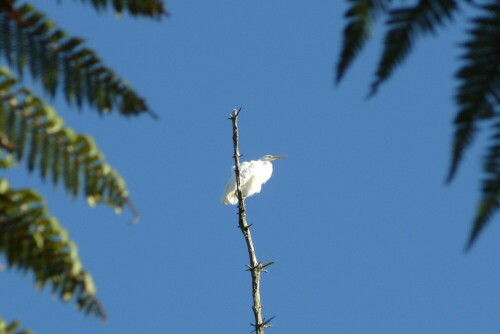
x=269 y=157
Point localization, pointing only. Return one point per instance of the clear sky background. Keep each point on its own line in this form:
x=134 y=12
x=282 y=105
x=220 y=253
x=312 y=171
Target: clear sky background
x=366 y=236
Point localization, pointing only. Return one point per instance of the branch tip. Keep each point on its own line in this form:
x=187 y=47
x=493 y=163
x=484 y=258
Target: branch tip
x=265 y=264
x=234 y=113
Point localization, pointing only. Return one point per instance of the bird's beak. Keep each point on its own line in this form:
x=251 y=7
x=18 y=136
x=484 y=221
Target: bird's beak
x=279 y=156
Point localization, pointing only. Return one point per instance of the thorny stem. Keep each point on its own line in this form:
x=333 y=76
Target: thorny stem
x=254 y=267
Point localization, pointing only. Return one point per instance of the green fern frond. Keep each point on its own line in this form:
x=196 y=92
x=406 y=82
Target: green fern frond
x=360 y=16
x=33 y=241
x=38 y=136
x=149 y=8
x=489 y=202
x=404 y=26
x=29 y=41
x=478 y=93
x=478 y=98
x=12 y=328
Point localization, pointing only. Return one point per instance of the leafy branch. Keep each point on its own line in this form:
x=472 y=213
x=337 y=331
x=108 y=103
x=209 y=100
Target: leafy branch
x=149 y=8
x=12 y=328
x=30 y=41
x=478 y=98
x=31 y=132
x=32 y=240
x=360 y=17
x=38 y=135
x=478 y=94
x=404 y=25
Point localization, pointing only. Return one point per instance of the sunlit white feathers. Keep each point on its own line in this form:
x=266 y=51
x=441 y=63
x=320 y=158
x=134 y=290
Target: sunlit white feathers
x=253 y=174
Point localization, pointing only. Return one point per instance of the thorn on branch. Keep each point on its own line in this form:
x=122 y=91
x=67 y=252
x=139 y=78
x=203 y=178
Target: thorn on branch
x=265 y=264
x=249 y=267
x=264 y=324
x=260 y=266
x=245 y=228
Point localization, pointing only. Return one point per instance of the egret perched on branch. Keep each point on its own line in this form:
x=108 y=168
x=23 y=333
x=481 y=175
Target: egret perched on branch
x=253 y=174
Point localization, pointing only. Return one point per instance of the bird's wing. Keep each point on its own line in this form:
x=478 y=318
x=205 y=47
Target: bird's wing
x=253 y=176
x=229 y=195
x=247 y=170
x=263 y=172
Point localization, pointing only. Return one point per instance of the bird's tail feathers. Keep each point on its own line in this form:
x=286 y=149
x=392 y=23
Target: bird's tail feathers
x=230 y=199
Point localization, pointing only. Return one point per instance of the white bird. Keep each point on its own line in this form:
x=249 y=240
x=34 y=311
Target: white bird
x=253 y=174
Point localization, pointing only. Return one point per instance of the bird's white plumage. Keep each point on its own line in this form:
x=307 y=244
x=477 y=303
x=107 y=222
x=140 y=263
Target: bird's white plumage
x=253 y=174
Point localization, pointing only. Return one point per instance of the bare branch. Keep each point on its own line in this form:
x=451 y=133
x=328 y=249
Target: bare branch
x=254 y=267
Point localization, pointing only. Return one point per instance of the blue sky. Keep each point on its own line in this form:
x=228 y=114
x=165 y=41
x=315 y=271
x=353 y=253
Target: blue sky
x=366 y=236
